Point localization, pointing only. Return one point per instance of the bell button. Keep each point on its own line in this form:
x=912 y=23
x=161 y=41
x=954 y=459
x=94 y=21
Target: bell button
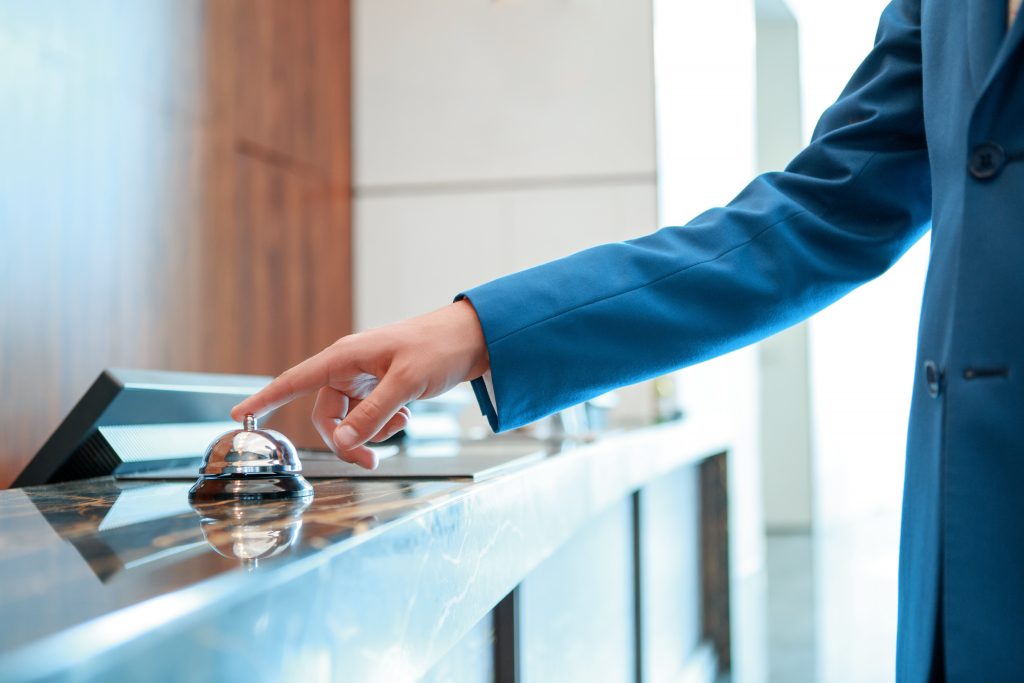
x=933 y=377
x=987 y=160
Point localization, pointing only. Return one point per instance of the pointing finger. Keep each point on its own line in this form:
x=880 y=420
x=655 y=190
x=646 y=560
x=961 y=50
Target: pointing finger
x=304 y=378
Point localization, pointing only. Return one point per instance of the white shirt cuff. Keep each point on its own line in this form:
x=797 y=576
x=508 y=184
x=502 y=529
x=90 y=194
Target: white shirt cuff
x=486 y=377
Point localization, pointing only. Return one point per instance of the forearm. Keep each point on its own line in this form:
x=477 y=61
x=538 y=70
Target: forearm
x=788 y=245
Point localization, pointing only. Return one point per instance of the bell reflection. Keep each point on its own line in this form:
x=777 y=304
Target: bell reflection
x=251 y=531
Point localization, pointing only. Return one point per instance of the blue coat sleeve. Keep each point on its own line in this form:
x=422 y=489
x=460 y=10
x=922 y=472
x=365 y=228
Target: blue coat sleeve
x=843 y=211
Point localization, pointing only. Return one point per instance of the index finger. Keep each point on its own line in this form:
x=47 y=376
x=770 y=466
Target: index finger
x=304 y=378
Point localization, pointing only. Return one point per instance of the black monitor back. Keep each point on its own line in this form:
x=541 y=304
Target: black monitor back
x=137 y=420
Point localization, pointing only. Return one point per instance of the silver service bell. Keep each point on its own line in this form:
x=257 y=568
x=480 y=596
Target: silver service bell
x=251 y=464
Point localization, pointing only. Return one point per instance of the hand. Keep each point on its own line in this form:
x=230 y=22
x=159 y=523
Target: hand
x=364 y=380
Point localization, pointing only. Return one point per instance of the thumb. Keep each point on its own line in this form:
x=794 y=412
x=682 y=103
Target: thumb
x=372 y=413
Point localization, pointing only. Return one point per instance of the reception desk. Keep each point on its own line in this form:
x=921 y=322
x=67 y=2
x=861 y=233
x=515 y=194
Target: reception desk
x=604 y=561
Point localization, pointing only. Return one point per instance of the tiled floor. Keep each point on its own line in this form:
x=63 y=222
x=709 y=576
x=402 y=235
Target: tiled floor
x=831 y=603
x=789 y=560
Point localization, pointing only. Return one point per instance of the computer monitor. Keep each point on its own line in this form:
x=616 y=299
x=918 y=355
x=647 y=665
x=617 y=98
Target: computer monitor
x=138 y=420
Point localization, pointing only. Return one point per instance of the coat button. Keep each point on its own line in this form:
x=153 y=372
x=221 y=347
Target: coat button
x=987 y=161
x=933 y=378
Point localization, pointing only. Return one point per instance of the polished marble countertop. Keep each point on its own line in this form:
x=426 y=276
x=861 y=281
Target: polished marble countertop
x=371 y=580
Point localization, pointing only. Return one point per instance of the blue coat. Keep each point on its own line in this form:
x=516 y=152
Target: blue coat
x=928 y=133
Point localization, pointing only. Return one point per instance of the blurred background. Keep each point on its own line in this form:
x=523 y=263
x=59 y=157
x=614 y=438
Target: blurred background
x=230 y=185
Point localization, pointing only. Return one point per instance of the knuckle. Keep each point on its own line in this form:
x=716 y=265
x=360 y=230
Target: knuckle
x=340 y=345
x=370 y=413
x=287 y=380
x=404 y=374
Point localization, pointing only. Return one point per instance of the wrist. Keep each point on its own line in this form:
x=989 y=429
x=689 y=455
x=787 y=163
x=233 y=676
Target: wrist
x=471 y=331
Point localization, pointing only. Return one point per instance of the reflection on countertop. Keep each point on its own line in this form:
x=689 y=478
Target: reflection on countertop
x=249 y=530
x=144 y=539
x=373 y=578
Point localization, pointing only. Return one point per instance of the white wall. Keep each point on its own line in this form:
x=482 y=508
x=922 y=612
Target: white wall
x=462 y=91
x=493 y=136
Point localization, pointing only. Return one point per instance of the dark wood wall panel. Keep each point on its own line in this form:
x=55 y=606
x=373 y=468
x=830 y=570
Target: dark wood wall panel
x=174 y=193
